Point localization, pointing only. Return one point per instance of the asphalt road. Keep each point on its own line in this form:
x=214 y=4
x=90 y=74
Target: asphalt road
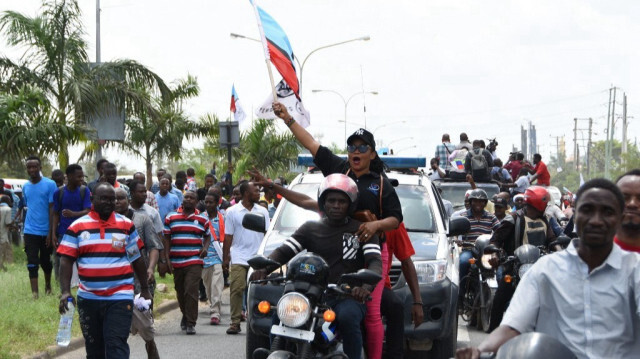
x=212 y=341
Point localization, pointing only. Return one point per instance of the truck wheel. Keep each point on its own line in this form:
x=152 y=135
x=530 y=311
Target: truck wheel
x=254 y=341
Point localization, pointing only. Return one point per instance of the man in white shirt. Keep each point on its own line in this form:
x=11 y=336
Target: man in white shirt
x=587 y=296
x=240 y=245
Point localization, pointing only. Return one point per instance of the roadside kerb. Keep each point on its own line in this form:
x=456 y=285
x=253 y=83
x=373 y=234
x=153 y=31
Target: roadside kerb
x=56 y=351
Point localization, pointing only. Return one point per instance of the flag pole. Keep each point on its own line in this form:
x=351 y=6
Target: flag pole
x=265 y=47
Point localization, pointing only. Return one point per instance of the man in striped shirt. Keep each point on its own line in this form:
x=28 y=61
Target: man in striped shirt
x=186 y=239
x=107 y=248
x=482 y=222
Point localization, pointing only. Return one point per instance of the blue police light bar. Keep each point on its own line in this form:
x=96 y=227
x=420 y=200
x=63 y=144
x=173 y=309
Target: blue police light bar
x=393 y=162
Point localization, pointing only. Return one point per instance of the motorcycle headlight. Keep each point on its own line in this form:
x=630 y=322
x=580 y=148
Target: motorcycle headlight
x=523 y=268
x=430 y=271
x=485 y=261
x=294 y=309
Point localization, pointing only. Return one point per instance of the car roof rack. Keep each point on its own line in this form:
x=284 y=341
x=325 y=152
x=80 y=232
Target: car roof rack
x=403 y=164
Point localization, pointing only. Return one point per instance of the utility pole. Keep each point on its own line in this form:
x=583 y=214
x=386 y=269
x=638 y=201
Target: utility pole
x=624 y=129
x=589 y=148
x=610 y=125
x=575 y=143
x=99 y=149
x=559 y=157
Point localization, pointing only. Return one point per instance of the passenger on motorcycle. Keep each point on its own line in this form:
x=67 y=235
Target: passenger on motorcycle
x=378 y=205
x=335 y=239
x=526 y=226
x=482 y=222
x=587 y=296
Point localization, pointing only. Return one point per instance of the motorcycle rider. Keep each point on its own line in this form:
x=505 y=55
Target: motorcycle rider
x=334 y=239
x=585 y=296
x=482 y=222
x=526 y=226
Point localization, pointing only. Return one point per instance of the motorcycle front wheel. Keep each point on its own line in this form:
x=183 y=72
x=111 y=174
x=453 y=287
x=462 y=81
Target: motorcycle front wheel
x=484 y=312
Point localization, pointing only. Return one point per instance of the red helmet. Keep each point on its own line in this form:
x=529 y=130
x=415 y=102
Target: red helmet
x=537 y=197
x=341 y=183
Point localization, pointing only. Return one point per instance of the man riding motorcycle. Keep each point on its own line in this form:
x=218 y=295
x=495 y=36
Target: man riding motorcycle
x=333 y=238
x=528 y=225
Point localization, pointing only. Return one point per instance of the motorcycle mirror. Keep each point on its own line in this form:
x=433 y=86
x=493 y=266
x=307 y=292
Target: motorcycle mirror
x=459 y=226
x=254 y=222
x=534 y=345
x=363 y=276
x=262 y=262
x=561 y=240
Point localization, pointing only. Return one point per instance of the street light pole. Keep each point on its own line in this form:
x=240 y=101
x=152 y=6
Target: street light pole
x=346 y=103
x=301 y=66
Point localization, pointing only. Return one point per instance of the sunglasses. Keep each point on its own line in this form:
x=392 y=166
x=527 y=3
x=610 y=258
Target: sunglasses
x=360 y=148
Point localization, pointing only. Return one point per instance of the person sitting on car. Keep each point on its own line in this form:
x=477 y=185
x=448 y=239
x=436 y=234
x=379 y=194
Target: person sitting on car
x=334 y=239
x=526 y=226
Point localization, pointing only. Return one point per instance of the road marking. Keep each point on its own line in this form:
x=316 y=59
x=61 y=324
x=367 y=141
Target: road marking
x=463 y=333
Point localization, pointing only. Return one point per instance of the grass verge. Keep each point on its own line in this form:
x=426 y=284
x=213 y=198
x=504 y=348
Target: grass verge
x=29 y=326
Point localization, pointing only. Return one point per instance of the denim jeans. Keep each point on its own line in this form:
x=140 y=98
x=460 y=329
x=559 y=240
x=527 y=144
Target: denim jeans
x=464 y=270
x=105 y=326
x=349 y=316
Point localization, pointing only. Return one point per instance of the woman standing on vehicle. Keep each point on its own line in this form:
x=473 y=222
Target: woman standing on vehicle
x=376 y=195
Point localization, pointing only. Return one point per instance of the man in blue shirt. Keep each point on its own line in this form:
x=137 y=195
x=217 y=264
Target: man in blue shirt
x=38 y=196
x=70 y=202
x=212 y=274
x=167 y=202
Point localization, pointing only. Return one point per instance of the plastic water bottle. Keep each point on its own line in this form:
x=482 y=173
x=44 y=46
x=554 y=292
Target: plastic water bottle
x=64 y=328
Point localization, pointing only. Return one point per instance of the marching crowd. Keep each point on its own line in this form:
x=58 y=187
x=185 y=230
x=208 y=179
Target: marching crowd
x=119 y=233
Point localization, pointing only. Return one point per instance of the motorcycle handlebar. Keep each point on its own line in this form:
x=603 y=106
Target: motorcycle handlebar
x=344 y=290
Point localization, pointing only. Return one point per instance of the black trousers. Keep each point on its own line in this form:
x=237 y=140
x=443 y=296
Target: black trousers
x=501 y=300
x=38 y=254
x=392 y=308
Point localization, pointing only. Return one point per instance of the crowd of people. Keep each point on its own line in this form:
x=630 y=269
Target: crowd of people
x=119 y=234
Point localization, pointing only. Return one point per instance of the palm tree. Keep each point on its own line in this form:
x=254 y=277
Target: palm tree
x=158 y=131
x=55 y=61
x=270 y=152
x=27 y=127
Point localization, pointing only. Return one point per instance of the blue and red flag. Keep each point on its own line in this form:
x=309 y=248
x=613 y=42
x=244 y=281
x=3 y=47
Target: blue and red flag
x=277 y=48
x=236 y=108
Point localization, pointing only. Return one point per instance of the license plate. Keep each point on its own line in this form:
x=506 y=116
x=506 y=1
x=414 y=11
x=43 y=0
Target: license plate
x=293 y=333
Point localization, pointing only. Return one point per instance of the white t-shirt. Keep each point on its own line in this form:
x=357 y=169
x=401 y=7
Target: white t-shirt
x=245 y=242
x=522 y=183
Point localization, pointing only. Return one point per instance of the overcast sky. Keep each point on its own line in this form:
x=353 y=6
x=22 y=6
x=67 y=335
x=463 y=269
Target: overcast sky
x=484 y=67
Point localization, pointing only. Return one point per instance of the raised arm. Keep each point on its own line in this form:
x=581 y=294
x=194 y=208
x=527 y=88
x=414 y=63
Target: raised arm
x=297 y=198
x=304 y=137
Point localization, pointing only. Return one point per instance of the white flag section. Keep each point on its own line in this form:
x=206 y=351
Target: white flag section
x=239 y=114
x=287 y=98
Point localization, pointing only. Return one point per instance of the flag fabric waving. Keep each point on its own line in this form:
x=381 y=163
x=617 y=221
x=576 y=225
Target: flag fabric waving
x=238 y=113
x=277 y=48
x=288 y=99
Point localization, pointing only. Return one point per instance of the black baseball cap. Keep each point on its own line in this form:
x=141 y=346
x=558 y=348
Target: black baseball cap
x=365 y=136
x=499 y=201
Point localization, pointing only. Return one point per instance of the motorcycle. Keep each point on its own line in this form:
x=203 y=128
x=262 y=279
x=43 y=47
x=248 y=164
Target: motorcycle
x=306 y=327
x=531 y=346
x=479 y=284
x=515 y=267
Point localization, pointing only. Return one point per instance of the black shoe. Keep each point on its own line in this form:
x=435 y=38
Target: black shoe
x=183 y=323
x=191 y=330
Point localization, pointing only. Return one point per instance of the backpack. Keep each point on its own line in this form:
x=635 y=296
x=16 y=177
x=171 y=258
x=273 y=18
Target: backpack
x=497 y=175
x=457 y=164
x=478 y=162
x=82 y=189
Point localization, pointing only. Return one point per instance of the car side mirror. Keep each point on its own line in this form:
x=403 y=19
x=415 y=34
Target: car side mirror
x=254 y=222
x=363 y=276
x=459 y=226
x=262 y=262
